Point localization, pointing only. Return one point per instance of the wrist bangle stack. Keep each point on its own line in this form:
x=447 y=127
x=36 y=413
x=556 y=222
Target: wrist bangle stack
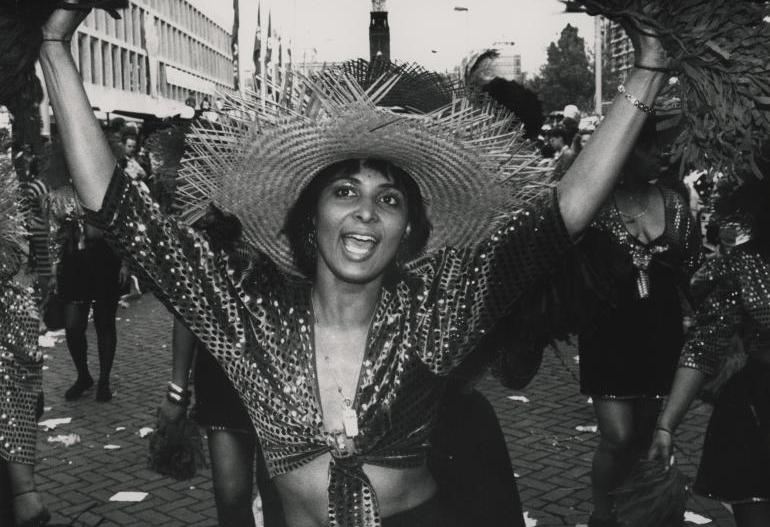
x=664 y=429
x=636 y=102
x=177 y=395
x=652 y=68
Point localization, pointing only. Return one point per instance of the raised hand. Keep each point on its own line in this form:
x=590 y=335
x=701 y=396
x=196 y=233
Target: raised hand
x=62 y=23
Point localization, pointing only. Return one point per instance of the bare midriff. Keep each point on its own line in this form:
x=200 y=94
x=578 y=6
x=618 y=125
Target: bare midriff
x=305 y=499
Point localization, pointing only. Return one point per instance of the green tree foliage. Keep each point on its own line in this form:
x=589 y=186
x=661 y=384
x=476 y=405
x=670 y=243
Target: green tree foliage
x=567 y=77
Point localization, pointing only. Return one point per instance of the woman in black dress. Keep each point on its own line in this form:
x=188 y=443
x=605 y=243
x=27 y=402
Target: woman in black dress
x=88 y=273
x=649 y=243
x=732 y=294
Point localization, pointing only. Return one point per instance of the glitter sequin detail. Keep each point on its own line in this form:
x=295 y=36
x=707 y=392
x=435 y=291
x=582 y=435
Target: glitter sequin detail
x=255 y=321
x=20 y=374
x=680 y=235
x=734 y=295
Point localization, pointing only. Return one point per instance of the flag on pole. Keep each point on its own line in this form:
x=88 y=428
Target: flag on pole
x=234 y=47
x=257 y=57
x=269 y=50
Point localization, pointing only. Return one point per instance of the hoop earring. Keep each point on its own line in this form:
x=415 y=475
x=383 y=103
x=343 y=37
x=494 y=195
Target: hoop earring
x=310 y=244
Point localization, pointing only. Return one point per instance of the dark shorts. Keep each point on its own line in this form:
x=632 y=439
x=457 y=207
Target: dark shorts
x=735 y=465
x=90 y=274
x=433 y=513
x=217 y=404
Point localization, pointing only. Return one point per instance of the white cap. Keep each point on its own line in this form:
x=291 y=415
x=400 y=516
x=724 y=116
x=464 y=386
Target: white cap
x=571 y=112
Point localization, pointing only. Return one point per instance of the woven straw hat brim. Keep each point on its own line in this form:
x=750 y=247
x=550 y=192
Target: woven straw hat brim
x=461 y=157
x=11 y=219
x=291 y=154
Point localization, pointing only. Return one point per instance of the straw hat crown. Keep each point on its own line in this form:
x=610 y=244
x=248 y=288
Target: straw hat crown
x=471 y=163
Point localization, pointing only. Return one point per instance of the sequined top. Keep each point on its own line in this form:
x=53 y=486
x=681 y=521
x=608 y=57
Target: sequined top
x=20 y=373
x=733 y=293
x=679 y=243
x=256 y=321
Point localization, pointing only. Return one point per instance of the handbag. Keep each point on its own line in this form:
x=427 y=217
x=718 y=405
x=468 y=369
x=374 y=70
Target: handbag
x=53 y=312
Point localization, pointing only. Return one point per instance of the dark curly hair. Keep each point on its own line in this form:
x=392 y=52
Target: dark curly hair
x=299 y=226
x=223 y=229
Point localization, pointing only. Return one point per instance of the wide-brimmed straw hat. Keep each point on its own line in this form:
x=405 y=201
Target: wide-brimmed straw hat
x=11 y=217
x=471 y=164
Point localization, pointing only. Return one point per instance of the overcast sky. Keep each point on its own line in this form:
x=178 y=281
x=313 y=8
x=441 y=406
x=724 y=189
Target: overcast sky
x=430 y=32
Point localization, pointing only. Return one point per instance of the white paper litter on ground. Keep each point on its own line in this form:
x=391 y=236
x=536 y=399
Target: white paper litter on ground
x=120 y=428
x=695 y=518
x=44 y=341
x=66 y=440
x=145 y=431
x=576 y=358
x=529 y=522
x=47 y=408
x=590 y=400
x=50 y=424
x=589 y=428
x=519 y=398
x=111 y=447
x=131 y=496
x=516 y=475
x=44 y=367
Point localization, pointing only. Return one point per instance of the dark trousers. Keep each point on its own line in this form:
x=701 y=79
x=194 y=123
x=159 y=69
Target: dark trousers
x=470 y=462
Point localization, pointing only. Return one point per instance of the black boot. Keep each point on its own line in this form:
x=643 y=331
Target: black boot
x=76 y=390
x=103 y=393
x=612 y=521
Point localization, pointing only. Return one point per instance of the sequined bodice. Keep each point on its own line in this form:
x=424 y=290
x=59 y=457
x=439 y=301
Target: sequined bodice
x=20 y=373
x=677 y=248
x=255 y=320
x=733 y=293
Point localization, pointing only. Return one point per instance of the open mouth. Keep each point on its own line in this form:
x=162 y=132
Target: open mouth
x=359 y=245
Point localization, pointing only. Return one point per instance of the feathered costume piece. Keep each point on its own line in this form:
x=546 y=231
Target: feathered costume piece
x=259 y=155
x=20 y=40
x=719 y=50
x=652 y=496
x=20 y=359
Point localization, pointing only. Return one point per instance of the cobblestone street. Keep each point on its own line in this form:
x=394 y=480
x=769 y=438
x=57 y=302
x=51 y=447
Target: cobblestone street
x=550 y=455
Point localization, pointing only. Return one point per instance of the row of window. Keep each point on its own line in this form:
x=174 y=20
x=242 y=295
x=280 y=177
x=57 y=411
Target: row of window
x=188 y=17
x=130 y=27
x=189 y=52
x=105 y=64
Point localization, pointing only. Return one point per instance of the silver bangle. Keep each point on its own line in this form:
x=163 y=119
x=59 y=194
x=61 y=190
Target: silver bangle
x=636 y=102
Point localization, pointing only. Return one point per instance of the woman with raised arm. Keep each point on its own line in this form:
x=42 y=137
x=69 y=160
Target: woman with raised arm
x=732 y=293
x=339 y=333
x=21 y=380
x=648 y=245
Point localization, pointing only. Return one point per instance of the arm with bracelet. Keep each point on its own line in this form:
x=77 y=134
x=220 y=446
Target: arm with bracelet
x=177 y=397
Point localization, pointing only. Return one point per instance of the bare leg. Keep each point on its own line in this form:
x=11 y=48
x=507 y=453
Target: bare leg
x=615 y=454
x=752 y=514
x=106 y=342
x=232 y=469
x=75 y=324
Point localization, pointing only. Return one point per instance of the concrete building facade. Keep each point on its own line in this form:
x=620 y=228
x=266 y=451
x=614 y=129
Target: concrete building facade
x=159 y=54
x=620 y=49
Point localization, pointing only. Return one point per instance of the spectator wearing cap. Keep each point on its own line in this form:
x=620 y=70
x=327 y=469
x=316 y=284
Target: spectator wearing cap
x=563 y=154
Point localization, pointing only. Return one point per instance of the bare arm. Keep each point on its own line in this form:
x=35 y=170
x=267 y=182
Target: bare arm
x=183 y=344
x=687 y=382
x=588 y=182
x=89 y=158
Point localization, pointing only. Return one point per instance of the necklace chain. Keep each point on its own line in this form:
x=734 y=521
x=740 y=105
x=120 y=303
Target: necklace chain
x=327 y=358
x=633 y=199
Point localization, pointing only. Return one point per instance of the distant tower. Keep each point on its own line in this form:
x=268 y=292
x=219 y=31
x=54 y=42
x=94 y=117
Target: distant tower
x=379 y=32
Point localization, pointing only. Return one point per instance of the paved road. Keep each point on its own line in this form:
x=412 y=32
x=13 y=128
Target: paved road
x=550 y=456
